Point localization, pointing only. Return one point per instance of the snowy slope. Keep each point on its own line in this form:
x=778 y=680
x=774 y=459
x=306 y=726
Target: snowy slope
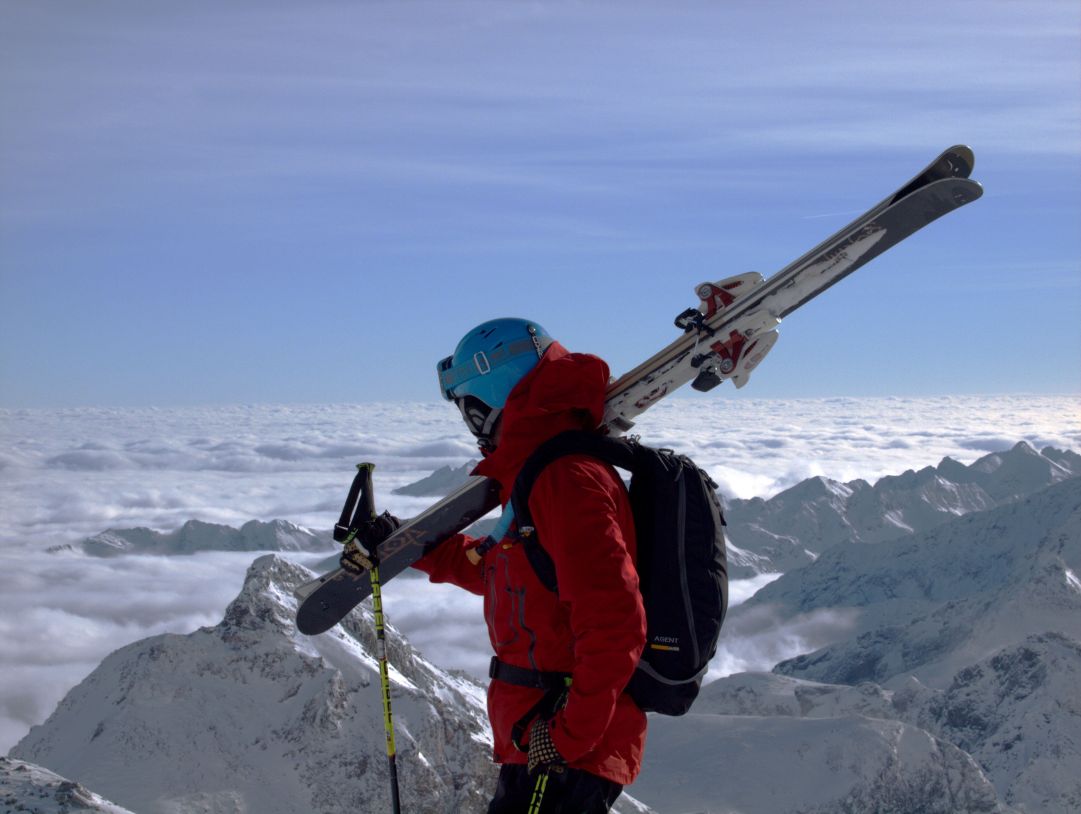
x=27 y=788
x=723 y=764
x=1017 y=713
x=792 y=528
x=933 y=603
x=248 y=715
x=195 y=536
x=970 y=631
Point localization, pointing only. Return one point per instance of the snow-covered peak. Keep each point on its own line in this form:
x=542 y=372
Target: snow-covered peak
x=935 y=602
x=1006 y=475
x=441 y=482
x=249 y=715
x=791 y=529
x=195 y=536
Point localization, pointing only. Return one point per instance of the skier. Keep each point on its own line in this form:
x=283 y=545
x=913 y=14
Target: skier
x=560 y=719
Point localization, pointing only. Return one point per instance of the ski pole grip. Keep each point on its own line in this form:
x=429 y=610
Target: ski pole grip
x=359 y=505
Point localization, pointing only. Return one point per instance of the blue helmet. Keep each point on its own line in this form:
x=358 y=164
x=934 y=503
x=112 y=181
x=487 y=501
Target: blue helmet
x=489 y=361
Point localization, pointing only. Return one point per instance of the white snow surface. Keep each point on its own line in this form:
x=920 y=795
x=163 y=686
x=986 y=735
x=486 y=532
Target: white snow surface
x=25 y=787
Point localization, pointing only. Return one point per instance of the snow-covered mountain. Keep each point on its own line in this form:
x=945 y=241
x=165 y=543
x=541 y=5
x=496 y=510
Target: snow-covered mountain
x=1015 y=713
x=32 y=789
x=440 y=483
x=932 y=603
x=792 y=528
x=251 y=716
x=969 y=632
x=795 y=526
x=195 y=536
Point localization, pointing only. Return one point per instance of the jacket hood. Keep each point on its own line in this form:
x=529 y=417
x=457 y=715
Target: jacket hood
x=565 y=391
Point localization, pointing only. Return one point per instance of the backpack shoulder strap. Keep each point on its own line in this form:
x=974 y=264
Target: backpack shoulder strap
x=615 y=451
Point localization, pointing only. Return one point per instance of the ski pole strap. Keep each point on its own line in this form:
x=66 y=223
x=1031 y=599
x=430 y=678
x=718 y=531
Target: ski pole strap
x=359 y=506
x=341 y=529
x=556 y=686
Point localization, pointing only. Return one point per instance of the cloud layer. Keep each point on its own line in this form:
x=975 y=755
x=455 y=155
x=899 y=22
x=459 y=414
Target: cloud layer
x=68 y=474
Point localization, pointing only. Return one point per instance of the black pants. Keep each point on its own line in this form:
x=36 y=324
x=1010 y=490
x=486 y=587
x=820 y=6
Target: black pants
x=570 y=791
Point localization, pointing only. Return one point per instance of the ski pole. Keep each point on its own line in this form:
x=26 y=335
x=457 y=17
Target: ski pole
x=538 y=792
x=384 y=681
x=365 y=513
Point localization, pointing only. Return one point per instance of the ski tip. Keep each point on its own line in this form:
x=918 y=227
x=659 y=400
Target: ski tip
x=969 y=191
x=960 y=190
x=963 y=159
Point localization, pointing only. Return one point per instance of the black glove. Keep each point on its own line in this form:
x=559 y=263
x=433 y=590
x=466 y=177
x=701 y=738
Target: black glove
x=359 y=553
x=542 y=752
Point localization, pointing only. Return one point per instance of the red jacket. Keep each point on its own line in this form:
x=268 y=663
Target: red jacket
x=595 y=627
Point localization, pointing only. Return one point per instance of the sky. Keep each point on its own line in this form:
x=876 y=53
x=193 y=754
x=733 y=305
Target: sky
x=273 y=202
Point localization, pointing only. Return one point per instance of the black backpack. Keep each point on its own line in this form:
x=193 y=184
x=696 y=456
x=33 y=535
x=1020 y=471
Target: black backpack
x=682 y=564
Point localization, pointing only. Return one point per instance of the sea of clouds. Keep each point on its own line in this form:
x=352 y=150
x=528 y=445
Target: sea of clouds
x=68 y=474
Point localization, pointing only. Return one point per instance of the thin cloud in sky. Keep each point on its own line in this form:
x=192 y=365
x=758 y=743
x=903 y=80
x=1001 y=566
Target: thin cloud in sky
x=477 y=80
x=221 y=168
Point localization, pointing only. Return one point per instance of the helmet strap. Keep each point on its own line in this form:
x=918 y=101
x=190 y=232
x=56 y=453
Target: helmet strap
x=481 y=419
x=484 y=438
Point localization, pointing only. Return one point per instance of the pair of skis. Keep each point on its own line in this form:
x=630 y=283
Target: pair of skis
x=725 y=337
